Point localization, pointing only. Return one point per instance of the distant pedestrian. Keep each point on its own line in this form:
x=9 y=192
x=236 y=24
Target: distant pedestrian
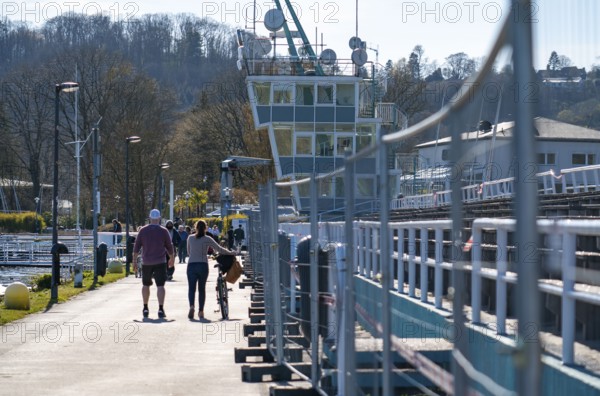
x=182 y=251
x=175 y=239
x=117 y=229
x=230 y=238
x=197 y=270
x=239 y=236
x=215 y=231
x=155 y=243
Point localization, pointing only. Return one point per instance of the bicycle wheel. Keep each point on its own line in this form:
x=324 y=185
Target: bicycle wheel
x=222 y=297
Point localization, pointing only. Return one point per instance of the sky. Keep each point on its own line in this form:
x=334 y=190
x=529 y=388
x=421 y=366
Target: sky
x=391 y=28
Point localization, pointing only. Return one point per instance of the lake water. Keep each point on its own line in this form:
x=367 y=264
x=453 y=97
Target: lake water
x=9 y=275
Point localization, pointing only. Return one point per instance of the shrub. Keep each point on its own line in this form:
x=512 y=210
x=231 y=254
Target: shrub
x=42 y=282
x=21 y=222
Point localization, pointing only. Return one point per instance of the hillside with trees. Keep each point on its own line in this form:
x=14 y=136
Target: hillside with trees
x=155 y=77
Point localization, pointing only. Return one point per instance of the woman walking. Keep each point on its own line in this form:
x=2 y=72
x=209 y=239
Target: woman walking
x=197 y=270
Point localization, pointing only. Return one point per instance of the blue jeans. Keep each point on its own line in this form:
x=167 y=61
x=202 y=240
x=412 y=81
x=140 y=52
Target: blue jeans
x=197 y=274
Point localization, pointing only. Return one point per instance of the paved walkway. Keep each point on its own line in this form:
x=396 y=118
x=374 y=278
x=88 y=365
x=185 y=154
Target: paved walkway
x=98 y=344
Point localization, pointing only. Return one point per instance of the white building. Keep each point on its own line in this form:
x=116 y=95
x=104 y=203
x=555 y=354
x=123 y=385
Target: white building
x=559 y=146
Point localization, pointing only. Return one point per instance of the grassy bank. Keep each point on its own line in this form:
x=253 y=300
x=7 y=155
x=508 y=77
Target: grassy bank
x=40 y=300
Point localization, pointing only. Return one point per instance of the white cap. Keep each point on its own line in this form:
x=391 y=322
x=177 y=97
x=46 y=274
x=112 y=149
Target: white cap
x=155 y=214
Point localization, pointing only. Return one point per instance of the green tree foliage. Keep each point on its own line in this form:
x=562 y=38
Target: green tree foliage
x=553 y=62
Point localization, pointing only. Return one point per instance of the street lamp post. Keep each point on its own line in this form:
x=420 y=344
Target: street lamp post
x=117 y=198
x=37 y=220
x=130 y=139
x=187 y=195
x=66 y=87
x=161 y=186
x=96 y=194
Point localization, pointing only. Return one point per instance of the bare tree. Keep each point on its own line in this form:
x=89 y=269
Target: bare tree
x=27 y=123
x=460 y=66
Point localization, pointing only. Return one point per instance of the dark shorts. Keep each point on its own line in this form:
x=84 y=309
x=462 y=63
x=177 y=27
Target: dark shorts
x=159 y=271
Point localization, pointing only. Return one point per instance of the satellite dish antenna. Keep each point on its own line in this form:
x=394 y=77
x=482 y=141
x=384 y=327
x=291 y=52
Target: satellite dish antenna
x=302 y=50
x=354 y=43
x=359 y=57
x=328 y=57
x=261 y=46
x=274 y=20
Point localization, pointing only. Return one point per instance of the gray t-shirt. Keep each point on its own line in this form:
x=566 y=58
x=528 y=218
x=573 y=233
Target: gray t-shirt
x=198 y=248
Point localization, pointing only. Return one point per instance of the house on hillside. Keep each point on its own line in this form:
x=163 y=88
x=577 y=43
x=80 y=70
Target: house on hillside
x=565 y=77
x=489 y=155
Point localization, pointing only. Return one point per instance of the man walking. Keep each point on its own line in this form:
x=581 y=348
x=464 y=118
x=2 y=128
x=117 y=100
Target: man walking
x=155 y=243
x=239 y=236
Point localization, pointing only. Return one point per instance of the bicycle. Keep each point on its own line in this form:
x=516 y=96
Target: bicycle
x=222 y=291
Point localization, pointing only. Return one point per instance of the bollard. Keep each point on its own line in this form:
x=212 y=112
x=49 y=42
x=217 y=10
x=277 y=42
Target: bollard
x=16 y=296
x=56 y=251
x=101 y=253
x=78 y=275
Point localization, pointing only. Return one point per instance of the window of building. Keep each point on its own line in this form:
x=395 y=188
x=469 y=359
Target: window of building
x=583 y=159
x=282 y=93
x=325 y=94
x=304 y=127
x=546 y=158
x=262 y=92
x=304 y=188
x=344 y=127
x=325 y=188
x=305 y=94
x=445 y=155
x=324 y=144
x=339 y=187
x=283 y=139
x=343 y=142
x=365 y=187
x=324 y=127
x=304 y=145
x=345 y=95
x=365 y=136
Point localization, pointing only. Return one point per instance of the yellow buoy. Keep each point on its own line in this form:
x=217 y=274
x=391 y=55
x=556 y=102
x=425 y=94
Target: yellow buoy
x=16 y=296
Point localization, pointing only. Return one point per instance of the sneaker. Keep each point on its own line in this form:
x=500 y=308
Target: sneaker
x=191 y=313
x=162 y=314
x=145 y=312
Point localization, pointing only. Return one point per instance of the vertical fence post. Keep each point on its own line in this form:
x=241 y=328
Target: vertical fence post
x=568 y=302
x=423 y=268
x=347 y=384
x=314 y=280
x=377 y=246
x=439 y=275
x=265 y=259
x=292 y=257
x=528 y=356
x=386 y=279
x=501 y=260
x=401 y=260
x=362 y=246
x=276 y=275
x=369 y=251
x=412 y=276
x=476 y=275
